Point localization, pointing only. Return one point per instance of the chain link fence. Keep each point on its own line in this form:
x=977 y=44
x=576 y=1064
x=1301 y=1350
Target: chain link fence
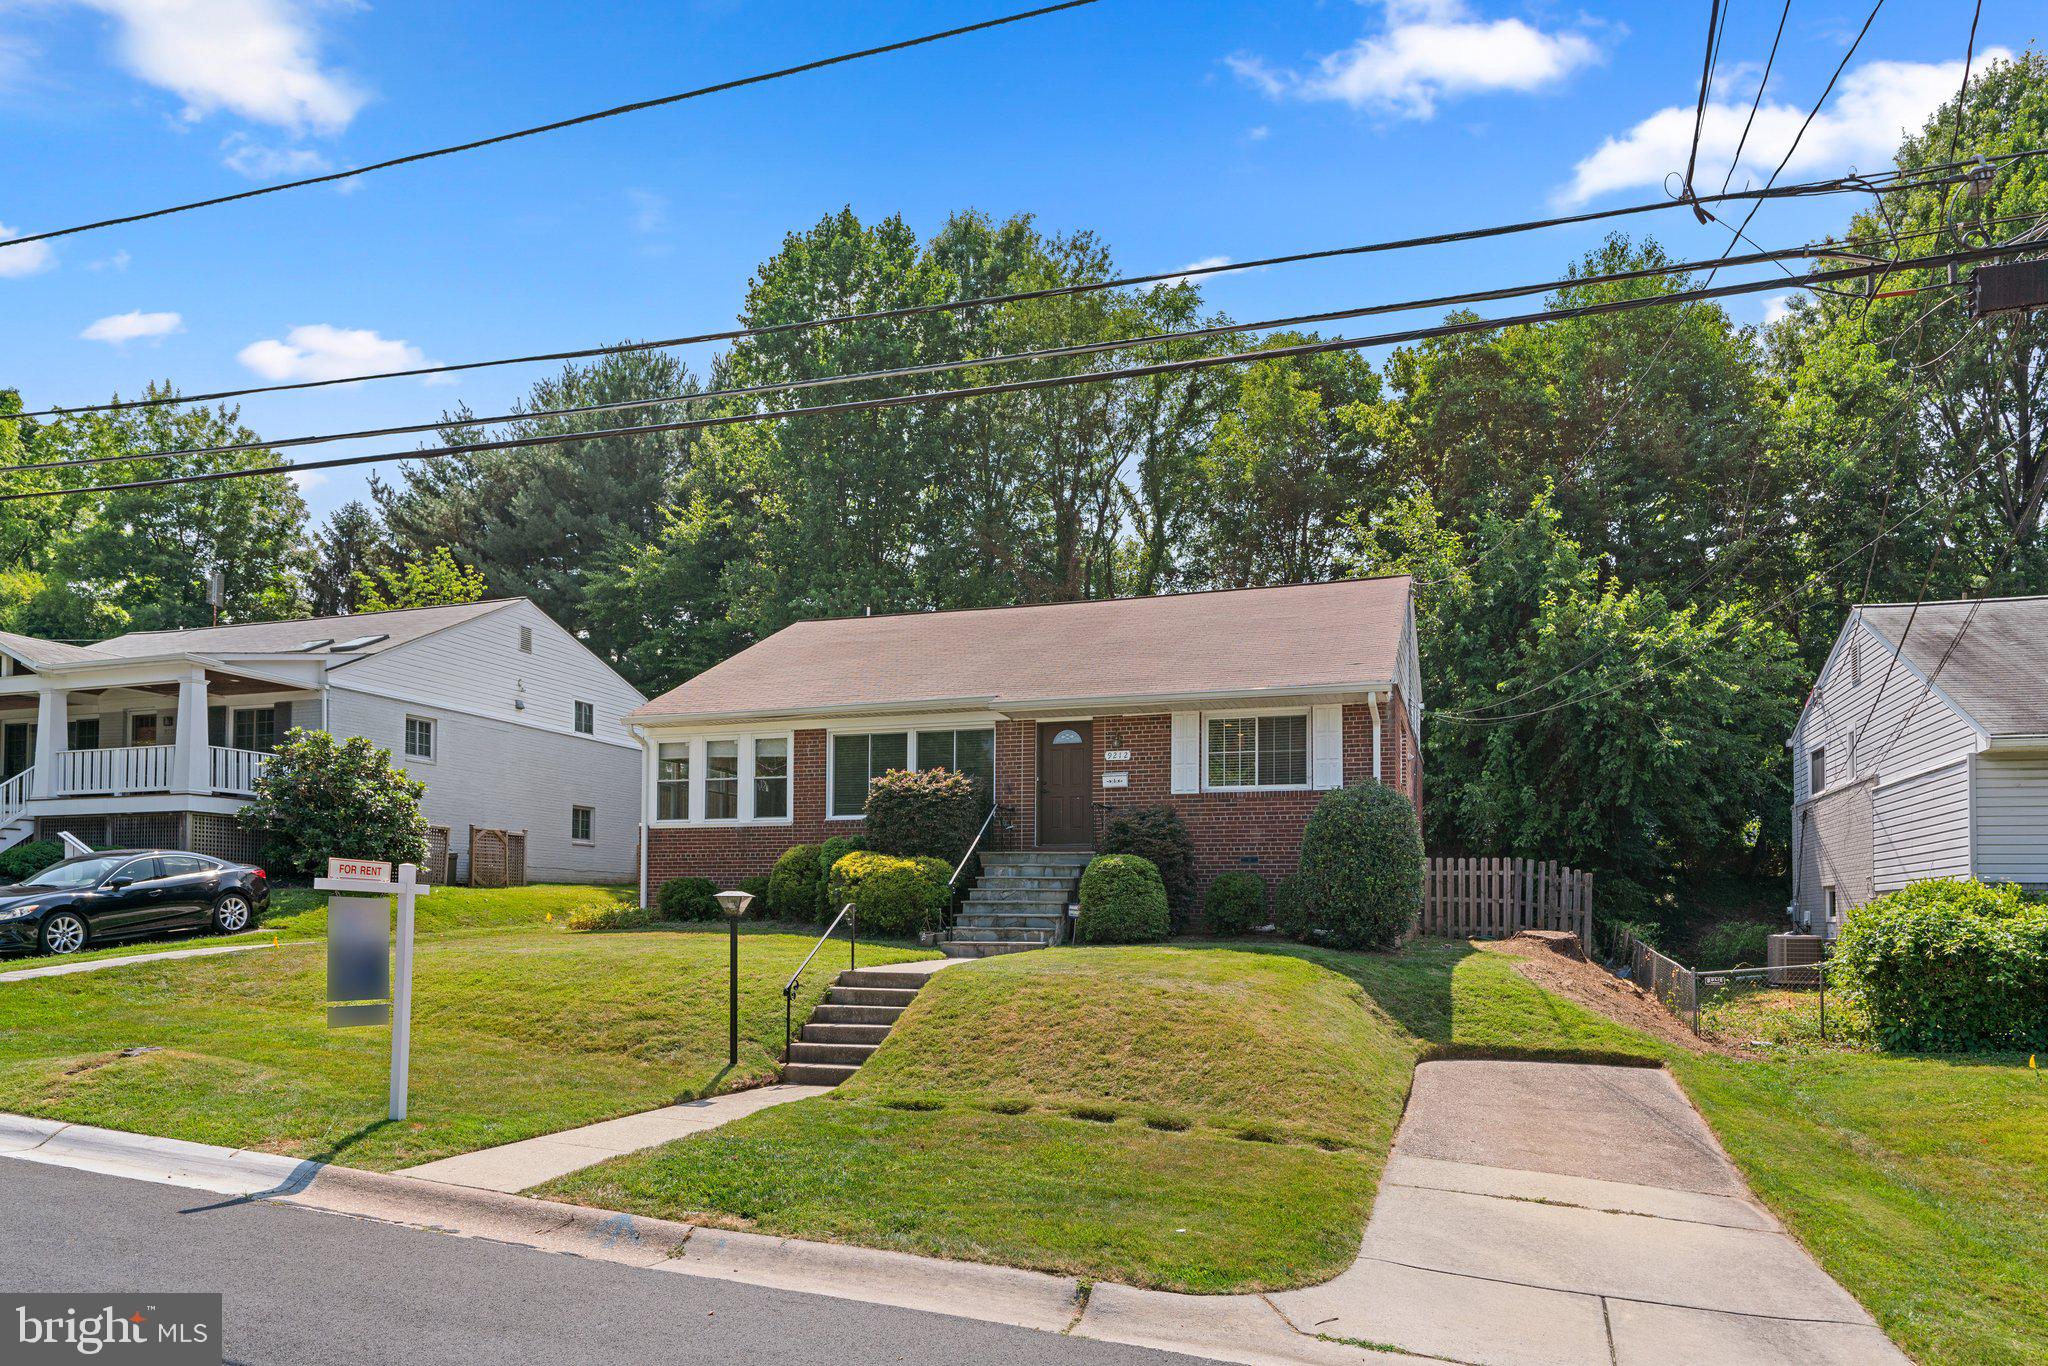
x=1690 y=992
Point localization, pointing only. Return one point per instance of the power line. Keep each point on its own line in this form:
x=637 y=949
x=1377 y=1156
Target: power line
x=1045 y=381
x=948 y=366
x=636 y=107
x=1757 y=102
x=1839 y=185
x=1715 y=18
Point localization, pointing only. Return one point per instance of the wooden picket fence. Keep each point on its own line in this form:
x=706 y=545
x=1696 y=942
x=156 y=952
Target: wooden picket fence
x=1492 y=898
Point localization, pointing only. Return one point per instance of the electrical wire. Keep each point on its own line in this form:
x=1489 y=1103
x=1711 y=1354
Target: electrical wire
x=1801 y=190
x=1715 y=18
x=1757 y=102
x=557 y=125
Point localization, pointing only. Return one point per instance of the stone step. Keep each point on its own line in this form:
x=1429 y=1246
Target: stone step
x=963 y=948
x=883 y=977
x=1049 y=924
x=1035 y=858
x=871 y=996
x=973 y=934
x=843 y=1033
x=855 y=1015
x=817 y=1073
x=1024 y=882
x=834 y=1054
x=1015 y=889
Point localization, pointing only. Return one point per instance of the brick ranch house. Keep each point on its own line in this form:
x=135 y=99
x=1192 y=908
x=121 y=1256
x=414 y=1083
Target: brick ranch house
x=1237 y=707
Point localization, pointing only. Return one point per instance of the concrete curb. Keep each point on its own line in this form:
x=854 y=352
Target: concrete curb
x=67 y=969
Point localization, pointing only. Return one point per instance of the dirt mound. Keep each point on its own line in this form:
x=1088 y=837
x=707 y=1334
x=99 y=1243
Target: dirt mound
x=1559 y=968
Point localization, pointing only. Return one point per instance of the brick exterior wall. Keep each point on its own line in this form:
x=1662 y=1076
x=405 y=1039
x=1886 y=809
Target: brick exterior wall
x=1257 y=831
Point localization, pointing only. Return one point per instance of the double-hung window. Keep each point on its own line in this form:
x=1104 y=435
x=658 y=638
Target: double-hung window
x=586 y=719
x=771 y=778
x=582 y=824
x=858 y=760
x=419 y=737
x=672 y=782
x=256 y=728
x=972 y=752
x=1817 y=769
x=721 y=780
x=1258 y=751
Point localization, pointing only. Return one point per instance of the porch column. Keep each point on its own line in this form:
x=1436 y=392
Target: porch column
x=192 y=759
x=53 y=705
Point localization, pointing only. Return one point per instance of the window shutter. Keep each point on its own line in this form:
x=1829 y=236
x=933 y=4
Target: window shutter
x=1326 y=746
x=217 y=726
x=281 y=721
x=1187 y=751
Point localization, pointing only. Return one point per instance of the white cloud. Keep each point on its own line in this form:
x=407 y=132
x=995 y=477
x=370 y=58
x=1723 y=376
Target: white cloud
x=31 y=259
x=256 y=58
x=135 y=325
x=1429 y=50
x=117 y=263
x=1873 y=107
x=1777 y=308
x=320 y=351
x=245 y=156
x=1206 y=263
x=650 y=210
x=308 y=480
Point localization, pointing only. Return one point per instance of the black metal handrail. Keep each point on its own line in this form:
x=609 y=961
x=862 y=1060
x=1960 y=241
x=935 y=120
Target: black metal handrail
x=789 y=988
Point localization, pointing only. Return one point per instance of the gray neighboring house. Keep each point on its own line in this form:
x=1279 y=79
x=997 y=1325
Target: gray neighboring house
x=156 y=737
x=1906 y=767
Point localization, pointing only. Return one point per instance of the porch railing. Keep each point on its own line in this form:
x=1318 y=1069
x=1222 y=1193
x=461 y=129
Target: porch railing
x=140 y=768
x=15 y=791
x=235 y=770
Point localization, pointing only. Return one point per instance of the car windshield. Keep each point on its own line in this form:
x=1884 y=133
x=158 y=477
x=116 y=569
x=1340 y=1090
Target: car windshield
x=77 y=872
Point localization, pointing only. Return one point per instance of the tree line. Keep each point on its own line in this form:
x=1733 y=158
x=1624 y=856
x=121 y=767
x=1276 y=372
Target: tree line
x=1634 y=535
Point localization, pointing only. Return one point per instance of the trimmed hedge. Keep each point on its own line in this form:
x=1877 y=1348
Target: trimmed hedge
x=757 y=888
x=1158 y=835
x=688 y=898
x=1360 y=884
x=893 y=898
x=1950 y=966
x=1234 y=904
x=933 y=813
x=1123 y=901
x=830 y=852
x=796 y=887
x=26 y=860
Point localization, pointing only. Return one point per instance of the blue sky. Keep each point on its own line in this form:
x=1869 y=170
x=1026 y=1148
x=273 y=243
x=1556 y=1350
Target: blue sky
x=1181 y=132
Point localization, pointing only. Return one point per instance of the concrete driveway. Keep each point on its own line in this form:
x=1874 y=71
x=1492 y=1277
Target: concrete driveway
x=1539 y=1213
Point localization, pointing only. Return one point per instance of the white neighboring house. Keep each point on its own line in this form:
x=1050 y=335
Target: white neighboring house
x=1923 y=762
x=156 y=738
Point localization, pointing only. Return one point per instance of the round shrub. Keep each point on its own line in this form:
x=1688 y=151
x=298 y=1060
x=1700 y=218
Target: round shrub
x=1234 y=904
x=757 y=888
x=1158 y=835
x=830 y=852
x=796 y=887
x=1360 y=884
x=688 y=898
x=893 y=898
x=1123 y=901
x=933 y=812
x=1949 y=966
x=1287 y=915
x=27 y=859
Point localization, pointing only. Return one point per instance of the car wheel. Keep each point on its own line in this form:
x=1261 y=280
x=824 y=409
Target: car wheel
x=64 y=932
x=231 y=914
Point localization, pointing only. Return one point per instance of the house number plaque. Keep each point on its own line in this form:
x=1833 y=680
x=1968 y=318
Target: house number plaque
x=1118 y=756
x=1116 y=780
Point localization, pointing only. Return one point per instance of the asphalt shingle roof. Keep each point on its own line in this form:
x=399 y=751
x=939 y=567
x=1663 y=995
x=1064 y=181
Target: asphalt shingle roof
x=1339 y=635
x=268 y=637
x=1998 y=673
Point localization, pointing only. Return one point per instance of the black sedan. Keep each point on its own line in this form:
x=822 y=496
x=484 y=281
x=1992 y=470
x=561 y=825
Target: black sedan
x=123 y=893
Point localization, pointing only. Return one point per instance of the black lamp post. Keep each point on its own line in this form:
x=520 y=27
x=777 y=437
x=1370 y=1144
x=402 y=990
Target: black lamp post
x=735 y=905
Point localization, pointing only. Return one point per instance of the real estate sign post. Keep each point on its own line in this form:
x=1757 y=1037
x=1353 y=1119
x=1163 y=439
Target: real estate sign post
x=358 y=927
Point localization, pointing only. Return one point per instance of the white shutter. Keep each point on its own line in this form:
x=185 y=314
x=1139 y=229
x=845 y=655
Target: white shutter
x=1187 y=751
x=1326 y=746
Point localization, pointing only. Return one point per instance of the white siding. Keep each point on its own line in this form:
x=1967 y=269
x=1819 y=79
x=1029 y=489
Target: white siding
x=2012 y=818
x=1936 y=735
x=1920 y=827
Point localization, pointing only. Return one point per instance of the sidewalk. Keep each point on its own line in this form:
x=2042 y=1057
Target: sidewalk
x=66 y=969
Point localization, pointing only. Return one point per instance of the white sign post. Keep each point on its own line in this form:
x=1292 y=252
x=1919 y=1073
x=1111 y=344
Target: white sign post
x=368 y=877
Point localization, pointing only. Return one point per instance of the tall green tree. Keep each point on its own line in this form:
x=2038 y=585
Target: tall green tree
x=351 y=544
x=435 y=579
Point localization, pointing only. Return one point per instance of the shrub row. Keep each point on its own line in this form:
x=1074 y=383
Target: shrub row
x=1950 y=966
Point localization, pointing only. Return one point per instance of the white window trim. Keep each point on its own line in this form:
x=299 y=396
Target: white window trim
x=910 y=730
x=433 y=725
x=576 y=705
x=696 y=819
x=234 y=712
x=590 y=839
x=1308 y=722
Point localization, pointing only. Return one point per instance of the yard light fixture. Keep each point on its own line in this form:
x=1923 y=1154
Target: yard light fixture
x=734 y=904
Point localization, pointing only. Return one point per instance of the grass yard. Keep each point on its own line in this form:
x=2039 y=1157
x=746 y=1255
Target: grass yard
x=519 y=1028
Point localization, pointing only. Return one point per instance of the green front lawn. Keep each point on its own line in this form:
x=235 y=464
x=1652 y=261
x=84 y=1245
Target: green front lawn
x=519 y=1028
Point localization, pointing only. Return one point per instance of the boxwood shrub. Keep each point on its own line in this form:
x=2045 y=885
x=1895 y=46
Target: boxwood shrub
x=1949 y=966
x=27 y=859
x=893 y=898
x=688 y=898
x=1158 y=835
x=1360 y=884
x=835 y=848
x=932 y=812
x=1123 y=901
x=796 y=885
x=1234 y=904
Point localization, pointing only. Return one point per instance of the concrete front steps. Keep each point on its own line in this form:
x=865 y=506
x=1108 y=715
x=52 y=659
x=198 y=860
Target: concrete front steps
x=851 y=1022
x=1019 y=903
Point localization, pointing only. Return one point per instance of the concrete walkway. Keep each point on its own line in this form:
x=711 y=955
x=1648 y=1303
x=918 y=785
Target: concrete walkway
x=66 y=969
x=529 y=1162
x=1537 y=1213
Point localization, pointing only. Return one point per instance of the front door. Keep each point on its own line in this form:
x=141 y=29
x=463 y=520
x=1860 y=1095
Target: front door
x=18 y=748
x=1066 y=788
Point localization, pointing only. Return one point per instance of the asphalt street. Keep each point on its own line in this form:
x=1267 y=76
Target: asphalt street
x=308 y=1288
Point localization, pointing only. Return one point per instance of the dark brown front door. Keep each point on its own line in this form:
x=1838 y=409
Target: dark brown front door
x=1066 y=772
